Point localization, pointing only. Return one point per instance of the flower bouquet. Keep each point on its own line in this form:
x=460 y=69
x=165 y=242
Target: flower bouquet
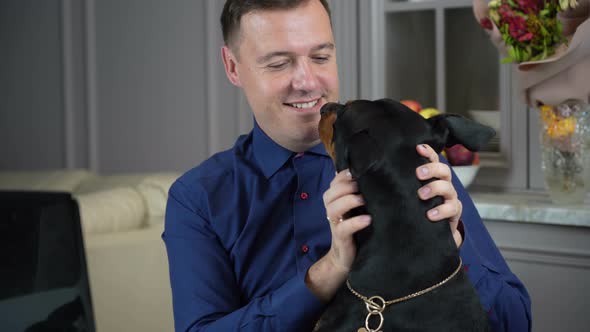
x=530 y=28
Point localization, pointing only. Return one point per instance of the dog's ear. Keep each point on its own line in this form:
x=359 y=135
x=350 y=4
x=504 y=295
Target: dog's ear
x=451 y=129
x=362 y=152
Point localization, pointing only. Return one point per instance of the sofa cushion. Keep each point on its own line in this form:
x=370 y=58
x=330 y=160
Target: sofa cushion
x=111 y=210
x=107 y=182
x=50 y=180
x=154 y=189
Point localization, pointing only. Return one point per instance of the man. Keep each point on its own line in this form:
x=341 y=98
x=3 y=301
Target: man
x=249 y=244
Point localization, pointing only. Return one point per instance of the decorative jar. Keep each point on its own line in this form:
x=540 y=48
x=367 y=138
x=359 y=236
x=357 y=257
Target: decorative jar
x=565 y=151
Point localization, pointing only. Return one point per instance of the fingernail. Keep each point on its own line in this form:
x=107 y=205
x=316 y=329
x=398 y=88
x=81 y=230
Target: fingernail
x=424 y=191
x=349 y=174
x=361 y=200
x=365 y=219
x=424 y=170
x=433 y=213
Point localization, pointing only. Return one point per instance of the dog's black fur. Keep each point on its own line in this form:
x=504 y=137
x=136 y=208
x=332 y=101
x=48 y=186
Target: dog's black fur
x=402 y=252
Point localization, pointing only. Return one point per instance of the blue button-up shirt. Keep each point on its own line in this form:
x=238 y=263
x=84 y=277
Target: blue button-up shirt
x=243 y=228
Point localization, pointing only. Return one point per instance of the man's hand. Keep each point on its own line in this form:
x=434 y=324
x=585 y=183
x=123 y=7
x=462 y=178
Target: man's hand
x=326 y=275
x=451 y=207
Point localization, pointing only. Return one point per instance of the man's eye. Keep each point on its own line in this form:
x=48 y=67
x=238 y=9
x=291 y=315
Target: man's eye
x=321 y=59
x=278 y=65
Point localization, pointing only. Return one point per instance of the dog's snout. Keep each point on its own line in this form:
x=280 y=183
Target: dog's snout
x=329 y=108
x=325 y=109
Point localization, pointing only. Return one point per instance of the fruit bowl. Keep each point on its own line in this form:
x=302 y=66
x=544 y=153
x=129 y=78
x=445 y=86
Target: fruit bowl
x=466 y=174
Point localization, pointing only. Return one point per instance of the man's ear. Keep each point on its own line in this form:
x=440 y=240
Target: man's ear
x=362 y=152
x=452 y=129
x=229 y=63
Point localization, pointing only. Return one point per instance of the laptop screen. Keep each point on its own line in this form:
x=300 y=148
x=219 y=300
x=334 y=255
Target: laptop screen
x=43 y=279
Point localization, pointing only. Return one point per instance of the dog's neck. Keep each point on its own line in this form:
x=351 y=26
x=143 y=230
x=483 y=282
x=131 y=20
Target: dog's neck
x=401 y=247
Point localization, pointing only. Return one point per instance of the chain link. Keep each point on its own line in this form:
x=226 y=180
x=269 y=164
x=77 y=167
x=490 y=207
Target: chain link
x=376 y=309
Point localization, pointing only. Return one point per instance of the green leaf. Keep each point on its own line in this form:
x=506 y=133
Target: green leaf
x=511 y=52
x=506 y=60
x=512 y=4
x=544 y=56
x=494 y=4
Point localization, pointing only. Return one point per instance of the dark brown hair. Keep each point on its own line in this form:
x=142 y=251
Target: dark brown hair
x=233 y=10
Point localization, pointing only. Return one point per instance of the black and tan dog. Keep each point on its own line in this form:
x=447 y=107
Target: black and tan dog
x=407 y=274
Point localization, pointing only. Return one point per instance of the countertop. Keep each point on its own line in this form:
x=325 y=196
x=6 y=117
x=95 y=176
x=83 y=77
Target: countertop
x=530 y=208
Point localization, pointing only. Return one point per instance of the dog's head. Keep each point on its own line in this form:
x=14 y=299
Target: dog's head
x=362 y=135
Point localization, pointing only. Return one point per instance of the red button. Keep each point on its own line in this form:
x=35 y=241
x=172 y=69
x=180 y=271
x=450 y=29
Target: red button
x=304 y=248
x=304 y=196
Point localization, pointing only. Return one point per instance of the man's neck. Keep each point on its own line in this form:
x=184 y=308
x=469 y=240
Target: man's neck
x=300 y=146
x=296 y=146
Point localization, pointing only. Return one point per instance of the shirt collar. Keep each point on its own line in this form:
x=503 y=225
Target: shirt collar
x=270 y=155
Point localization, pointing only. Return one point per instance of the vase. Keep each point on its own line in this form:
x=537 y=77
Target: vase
x=565 y=151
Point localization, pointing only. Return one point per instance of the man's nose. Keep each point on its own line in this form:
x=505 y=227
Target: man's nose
x=304 y=78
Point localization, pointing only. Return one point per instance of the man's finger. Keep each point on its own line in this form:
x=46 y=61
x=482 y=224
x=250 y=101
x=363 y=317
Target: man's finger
x=448 y=210
x=339 y=207
x=346 y=228
x=434 y=170
x=438 y=188
x=426 y=151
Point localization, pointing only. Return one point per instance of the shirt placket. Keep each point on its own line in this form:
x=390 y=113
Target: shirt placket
x=308 y=211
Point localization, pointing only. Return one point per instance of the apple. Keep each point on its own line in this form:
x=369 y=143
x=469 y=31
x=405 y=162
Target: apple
x=458 y=155
x=412 y=104
x=476 y=159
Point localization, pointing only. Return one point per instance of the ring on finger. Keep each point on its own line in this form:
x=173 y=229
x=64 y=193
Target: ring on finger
x=334 y=222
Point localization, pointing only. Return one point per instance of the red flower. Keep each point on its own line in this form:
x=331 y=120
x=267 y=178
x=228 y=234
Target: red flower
x=486 y=23
x=517 y=28
x=505 y=12
x=526 y=37
x=528 y=6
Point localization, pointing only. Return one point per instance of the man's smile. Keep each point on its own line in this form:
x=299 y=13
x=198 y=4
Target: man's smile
x=305 y=106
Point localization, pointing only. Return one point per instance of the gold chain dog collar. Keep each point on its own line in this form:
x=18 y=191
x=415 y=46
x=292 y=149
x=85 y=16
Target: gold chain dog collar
x=376 y=309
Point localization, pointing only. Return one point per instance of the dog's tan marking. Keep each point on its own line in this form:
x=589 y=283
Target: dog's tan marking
x=326 y=129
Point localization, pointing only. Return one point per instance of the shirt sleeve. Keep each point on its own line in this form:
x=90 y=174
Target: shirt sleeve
x=501 y=293
x=205 y=293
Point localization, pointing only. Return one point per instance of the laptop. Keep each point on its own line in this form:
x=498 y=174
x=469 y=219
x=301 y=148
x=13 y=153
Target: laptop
x=43 y=277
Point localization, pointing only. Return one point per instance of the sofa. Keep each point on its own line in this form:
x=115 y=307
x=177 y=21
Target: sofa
x=122 y=222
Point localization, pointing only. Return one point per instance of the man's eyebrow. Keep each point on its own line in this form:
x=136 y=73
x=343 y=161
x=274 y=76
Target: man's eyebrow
x=329 y=46
x=267 y=57
x=271 y=55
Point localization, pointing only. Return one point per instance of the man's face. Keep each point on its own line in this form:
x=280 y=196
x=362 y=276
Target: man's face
x=287 y=69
